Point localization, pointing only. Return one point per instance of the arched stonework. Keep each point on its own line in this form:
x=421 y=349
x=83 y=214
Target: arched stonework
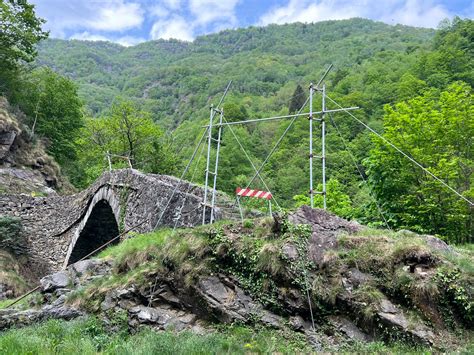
x=107 y=195
x=54 y=224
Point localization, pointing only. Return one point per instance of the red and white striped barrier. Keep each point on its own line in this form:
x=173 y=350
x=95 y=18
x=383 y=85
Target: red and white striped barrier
x=253 y=193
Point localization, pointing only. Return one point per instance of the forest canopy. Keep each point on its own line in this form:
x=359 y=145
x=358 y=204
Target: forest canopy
x=149 y=103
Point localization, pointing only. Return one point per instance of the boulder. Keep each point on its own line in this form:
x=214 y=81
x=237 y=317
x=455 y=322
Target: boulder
x=55 y=281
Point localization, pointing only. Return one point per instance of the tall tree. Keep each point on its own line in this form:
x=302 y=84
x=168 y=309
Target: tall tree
x=125 y=132
x=297 y=100
x=437 y=130
x=20 y=30
x=53 y=108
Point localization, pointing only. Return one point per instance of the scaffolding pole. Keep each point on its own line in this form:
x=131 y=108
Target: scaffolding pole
x=214 y=192
x=209 y=139
x=311 y=145
x=323 y=143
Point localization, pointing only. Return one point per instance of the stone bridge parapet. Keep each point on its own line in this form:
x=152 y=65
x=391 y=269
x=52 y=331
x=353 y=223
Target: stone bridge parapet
x=117 y=201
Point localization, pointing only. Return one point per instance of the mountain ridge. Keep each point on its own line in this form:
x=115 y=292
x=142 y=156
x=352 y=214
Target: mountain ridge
x=104 y=70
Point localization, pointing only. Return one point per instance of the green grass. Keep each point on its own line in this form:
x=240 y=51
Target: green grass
x=88 y=336
x=136 y=242
x=24 y=303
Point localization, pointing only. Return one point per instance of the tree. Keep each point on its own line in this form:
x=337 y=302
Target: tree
x=436 y=129
x=53 y=108
x=20 y=30
x=126 y=132
x=297 y=100
x=452 y=57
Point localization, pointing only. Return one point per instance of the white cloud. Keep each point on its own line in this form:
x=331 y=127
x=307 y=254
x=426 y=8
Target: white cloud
x=128 y=41
x=86 y=36
x=106 y=15
x=422 y=13
x=308 y=11
x=159 y=11
x=176 y=27
x=117 y=16
x=173 y=4
x=207 y=11
x=417 y=13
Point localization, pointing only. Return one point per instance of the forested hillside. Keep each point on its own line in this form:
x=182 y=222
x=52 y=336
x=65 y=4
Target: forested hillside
x=415 y=84
x=174 y=79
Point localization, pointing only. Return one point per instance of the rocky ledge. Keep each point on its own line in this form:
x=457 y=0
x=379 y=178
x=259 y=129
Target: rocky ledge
x=347 y=302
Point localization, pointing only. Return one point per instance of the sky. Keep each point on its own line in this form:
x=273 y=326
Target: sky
x=129 y=22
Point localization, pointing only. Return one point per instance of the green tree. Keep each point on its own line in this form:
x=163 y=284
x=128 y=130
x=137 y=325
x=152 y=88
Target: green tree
x=20 y=30
x=127 y=133
x=436 y=129
x=297 y=100
x=53 y=110
x=452 y=57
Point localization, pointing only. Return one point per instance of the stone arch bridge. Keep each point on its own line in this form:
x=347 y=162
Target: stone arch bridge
x=62 y=229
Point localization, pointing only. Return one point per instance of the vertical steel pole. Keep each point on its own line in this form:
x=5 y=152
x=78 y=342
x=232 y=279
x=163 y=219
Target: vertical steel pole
x=209 y=138
x=270 y=207
x=214 y=192
x=323 y=143
x=240 y=210
x=311 y=144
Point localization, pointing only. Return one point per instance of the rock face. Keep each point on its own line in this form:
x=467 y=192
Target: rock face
x=24 y=165
x=325 y=226
x=124 y=199
x=166 y=304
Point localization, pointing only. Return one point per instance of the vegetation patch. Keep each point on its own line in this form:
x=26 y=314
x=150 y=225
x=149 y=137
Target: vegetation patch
x=92 y=336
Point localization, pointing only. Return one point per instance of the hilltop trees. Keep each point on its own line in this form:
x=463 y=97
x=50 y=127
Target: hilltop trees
x=53 y=110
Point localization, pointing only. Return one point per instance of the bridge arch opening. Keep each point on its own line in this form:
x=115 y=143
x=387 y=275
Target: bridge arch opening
x=100 y=228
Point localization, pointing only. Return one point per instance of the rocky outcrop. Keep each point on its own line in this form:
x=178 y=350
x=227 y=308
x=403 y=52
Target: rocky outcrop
x=166 y=304
x=330 y=304
x=25 y=167
x=325 y=227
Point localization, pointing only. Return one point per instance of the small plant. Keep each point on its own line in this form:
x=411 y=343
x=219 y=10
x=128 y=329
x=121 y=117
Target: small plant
x=455 y=295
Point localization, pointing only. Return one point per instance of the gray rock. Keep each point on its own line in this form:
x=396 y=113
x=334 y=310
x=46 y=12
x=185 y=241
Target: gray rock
x=55 y=281
x=297 y=323
x=226 y=301
x=163 y=318
x=289 y=252
x=325 y=229
x=349 y=329
x=85 y=266
x=393 y=318
x=437 y=244
x=59 y=310
x=385 y=306
x=271 y=319
x=6 y=140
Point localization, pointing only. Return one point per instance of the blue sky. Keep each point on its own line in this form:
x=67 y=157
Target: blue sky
x=129 y=22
